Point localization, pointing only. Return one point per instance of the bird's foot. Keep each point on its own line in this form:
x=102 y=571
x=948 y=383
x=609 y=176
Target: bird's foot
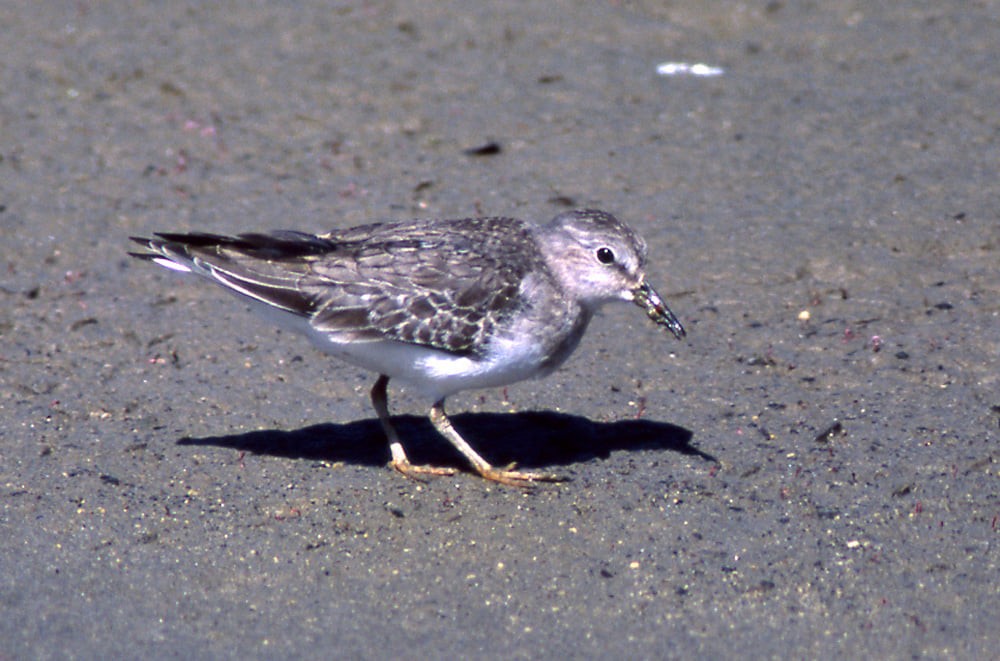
x=514 y=478
x=419 y=473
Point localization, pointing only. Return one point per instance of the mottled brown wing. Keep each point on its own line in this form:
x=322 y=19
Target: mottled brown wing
x=439 y=284
x=442 y=285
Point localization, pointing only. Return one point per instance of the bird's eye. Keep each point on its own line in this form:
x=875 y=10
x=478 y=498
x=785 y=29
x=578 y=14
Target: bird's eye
x=605 y=256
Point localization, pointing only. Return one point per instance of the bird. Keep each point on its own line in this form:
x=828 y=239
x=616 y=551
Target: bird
x=440 y=305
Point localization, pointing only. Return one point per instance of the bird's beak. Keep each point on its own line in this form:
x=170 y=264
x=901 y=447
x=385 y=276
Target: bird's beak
x=646 y=297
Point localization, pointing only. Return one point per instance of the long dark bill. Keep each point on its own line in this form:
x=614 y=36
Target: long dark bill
x=646 y=297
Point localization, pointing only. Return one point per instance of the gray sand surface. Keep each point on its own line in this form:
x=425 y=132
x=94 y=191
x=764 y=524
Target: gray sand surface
x=813 y=472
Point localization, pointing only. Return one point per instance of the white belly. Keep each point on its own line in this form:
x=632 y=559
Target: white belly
x=434 y=373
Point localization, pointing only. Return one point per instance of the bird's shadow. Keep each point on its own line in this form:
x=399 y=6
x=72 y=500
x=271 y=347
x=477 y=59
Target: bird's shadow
x=531 y=439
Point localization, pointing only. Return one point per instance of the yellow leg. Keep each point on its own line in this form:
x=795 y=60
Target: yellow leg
x=380 y=401
x=502 y=475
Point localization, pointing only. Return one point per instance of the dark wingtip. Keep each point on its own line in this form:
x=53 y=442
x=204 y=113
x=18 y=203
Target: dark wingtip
x=146 y=243
x=193 y=238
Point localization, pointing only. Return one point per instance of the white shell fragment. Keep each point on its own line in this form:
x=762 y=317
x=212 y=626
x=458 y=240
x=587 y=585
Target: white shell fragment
x=686 y=69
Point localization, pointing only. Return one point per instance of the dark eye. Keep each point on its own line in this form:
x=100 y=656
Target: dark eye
x=605 y=256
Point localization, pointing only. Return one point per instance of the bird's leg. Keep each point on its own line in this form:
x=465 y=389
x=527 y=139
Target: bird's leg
x=380 y=401
x=502 y=475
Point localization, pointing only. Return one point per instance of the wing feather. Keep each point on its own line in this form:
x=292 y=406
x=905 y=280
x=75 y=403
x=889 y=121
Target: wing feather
x=443 y=284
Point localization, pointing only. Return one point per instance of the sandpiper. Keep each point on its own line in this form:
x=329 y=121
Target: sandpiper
x=441 y=305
